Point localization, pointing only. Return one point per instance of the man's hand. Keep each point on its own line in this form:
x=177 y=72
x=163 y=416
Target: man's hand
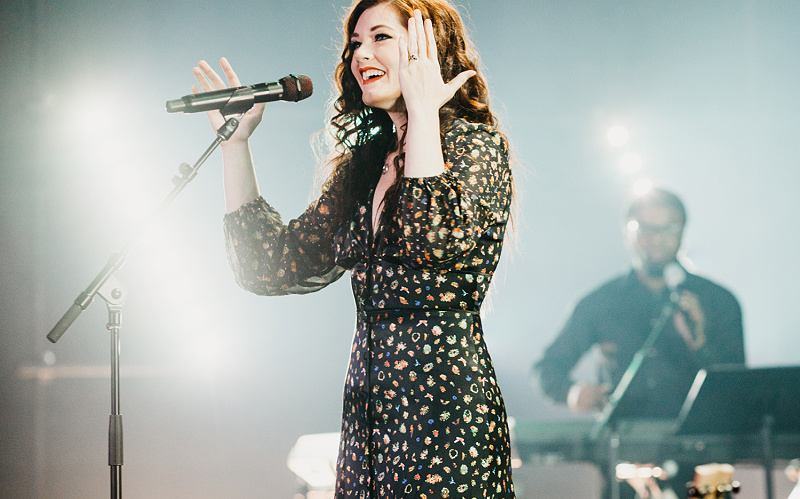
x=692 y=325
x=585 y=397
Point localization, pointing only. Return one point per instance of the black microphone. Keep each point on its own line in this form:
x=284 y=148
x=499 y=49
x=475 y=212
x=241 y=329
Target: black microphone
x=237 y=100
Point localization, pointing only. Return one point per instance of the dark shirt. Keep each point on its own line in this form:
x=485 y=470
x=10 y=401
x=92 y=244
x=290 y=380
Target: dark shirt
x=618 y=317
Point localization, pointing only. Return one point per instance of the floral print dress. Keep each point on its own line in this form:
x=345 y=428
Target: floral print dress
x=423 y=416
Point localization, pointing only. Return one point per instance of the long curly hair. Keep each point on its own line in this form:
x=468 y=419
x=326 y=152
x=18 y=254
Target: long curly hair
x=363 y=136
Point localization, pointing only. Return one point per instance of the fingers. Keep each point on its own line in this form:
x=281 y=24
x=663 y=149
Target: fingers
x=210 y=80
x=689 y=302
x=201 y=78
x=413 y=37
x=431 y=40
x=460 y=79
x=456 y=83
x=419 y=31
x=233 y=80
x=421 y=41
x=404 y=52
x=214 y=82
x=419 y=62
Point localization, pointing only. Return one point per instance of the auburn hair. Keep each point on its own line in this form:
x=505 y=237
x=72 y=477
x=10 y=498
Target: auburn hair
x=363 y=136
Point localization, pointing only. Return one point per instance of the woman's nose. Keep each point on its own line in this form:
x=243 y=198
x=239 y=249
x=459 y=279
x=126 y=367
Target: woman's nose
x=362 y=53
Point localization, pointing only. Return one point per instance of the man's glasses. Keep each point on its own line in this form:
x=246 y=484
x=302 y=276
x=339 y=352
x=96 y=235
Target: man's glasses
x=646 y=230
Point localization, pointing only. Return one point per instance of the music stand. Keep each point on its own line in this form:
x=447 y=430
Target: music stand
x=735 y=400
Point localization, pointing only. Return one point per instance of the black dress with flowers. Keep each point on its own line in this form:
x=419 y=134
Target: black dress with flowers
x=423 y=416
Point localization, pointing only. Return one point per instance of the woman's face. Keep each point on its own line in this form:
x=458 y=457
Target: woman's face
x=376 y=59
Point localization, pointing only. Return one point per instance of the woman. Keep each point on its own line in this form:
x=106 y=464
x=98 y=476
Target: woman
x=416 y=208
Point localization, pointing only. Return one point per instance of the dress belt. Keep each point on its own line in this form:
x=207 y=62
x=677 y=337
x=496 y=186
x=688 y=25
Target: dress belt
x=376 y=311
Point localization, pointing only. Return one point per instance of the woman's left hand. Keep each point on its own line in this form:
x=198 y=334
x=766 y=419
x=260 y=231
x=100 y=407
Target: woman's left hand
x=421 y=81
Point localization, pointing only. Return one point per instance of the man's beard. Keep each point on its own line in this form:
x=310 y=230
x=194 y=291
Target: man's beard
x=655 y=269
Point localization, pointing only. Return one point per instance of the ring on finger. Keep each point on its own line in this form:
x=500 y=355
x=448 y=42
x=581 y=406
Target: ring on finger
x=413 y=57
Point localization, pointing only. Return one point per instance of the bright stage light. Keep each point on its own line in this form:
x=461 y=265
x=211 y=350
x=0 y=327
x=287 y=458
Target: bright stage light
x=205 y=351
x=642 y=187
x=313 y=459
x=93 y=120
x=104 y=149
x=49 y=358
x=630 y=162
x=208 y=355
x=630 y=471
x=618 y=136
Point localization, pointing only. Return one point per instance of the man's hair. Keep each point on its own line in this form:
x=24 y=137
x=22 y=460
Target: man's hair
x=657 y=197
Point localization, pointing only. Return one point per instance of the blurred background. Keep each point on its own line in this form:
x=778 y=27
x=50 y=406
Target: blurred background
x=700 y=97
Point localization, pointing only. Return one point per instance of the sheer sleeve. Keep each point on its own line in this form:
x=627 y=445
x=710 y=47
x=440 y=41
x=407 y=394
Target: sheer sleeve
x=441 y=218
x=270 y=258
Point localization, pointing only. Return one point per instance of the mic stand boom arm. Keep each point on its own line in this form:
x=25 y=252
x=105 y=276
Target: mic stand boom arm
x=607 y=418
x=113 y=292
x=621 y=389
x=187 y=173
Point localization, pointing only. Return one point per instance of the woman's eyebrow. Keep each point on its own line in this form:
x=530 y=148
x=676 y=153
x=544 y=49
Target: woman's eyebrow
x=372 y=29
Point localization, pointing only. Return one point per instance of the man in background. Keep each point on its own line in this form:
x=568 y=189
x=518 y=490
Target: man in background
x=615 y=319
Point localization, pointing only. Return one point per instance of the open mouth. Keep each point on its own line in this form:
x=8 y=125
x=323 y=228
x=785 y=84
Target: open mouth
x=369 y=75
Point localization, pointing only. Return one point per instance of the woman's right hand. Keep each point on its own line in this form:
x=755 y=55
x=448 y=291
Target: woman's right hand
x=209 y=80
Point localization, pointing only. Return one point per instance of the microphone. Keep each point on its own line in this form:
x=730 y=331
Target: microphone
x=674 y=275
x=237 y=100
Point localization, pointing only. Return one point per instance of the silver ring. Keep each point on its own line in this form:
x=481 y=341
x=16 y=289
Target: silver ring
x=413 y=57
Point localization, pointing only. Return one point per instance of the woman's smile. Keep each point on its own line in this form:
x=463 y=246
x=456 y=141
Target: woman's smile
x=371 y=75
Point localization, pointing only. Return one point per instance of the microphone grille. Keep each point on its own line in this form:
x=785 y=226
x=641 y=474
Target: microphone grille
x=296 y=87
x=674 y=275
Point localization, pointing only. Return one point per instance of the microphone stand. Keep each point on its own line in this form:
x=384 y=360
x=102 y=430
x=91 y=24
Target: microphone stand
x=113 y=292
x=606 y=419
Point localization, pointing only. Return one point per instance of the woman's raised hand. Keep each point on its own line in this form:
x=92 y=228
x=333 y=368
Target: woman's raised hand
x=420 y=74
x=209 y=80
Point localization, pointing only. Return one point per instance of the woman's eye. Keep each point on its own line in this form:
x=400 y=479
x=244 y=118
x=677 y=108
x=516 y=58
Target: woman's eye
x=354 y=45
x=382 y=36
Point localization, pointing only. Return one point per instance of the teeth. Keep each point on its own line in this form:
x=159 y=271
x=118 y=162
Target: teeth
x=372 y=73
